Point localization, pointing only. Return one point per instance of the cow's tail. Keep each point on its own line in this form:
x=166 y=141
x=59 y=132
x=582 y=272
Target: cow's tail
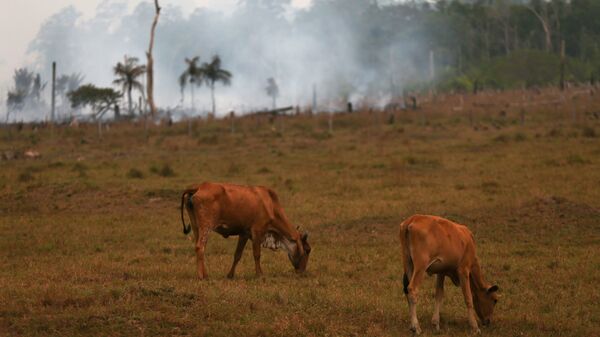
x=186 y=196
x=406 y=257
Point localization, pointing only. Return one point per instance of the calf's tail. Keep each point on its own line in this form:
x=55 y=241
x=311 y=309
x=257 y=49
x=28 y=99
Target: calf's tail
x=406 y=258
x=188 y=192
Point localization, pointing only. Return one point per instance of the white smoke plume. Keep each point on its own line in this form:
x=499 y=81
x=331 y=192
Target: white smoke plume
x=339 y=46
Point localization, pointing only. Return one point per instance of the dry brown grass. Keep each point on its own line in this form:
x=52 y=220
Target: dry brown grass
x=91 y=243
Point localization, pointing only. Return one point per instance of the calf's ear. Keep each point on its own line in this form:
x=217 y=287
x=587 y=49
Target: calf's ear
x=492 y=289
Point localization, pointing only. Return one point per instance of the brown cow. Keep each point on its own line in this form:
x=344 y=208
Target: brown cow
x=249 y=212
x=434 y=245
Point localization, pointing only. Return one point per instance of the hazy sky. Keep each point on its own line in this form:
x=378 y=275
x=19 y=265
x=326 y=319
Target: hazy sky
x=20 y=21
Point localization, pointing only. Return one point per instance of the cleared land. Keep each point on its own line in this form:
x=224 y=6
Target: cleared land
x=91 y=242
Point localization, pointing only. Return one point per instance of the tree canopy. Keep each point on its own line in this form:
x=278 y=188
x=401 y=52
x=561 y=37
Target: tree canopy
x=100 y=100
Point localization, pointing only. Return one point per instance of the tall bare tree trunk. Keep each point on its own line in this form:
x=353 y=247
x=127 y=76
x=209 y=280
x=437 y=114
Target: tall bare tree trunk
x=53 y=92
x=193 y=104
x=545 y=26
x=562 y=65
x=150 y=65
x=506 y=38
x=129 y=100
x=212 y=93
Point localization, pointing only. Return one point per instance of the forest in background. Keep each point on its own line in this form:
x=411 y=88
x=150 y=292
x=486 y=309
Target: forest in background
x=348 y=50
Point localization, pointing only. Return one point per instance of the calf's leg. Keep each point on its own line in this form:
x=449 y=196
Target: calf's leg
x=238 y=254
x=439 y=296
x=413 y=290
x=465 y=285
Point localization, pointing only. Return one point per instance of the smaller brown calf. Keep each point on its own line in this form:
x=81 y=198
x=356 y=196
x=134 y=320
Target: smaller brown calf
x=434 y=245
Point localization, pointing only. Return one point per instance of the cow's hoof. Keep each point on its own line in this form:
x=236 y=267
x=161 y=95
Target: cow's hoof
x=435 y=321
x=416 y=330
x=230 y=276
x=476 y=331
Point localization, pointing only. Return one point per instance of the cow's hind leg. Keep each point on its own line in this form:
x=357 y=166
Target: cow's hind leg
x=243 y=239
x=439 y=296
x=206 y=222
x=419 y=266
x=200 y=248
x=413 y=291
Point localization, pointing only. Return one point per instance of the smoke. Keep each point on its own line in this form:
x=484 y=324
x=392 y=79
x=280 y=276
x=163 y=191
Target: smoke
x=347 y=49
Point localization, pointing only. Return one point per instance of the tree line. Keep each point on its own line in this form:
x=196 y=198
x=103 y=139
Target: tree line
x=336 y=47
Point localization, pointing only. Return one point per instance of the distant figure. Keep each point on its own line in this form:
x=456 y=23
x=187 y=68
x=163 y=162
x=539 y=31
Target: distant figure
x=349 y=107
x=413 y=100
x=169 y=119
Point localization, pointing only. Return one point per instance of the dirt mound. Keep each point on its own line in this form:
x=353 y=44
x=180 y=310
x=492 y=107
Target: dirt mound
x=558 y=209
x=553 y=219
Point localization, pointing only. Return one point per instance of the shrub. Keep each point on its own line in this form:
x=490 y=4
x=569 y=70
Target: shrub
x=25 y=176
x=520 y=137
x=576 y=159
x=501 y=139
x=81 y=169
x=164 y=171
x=135 y=174
x=264 y=170
x=589 y=132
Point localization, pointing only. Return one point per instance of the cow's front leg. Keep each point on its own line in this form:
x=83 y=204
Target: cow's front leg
x=257 y=239
x=465 y=285
x=243 y=239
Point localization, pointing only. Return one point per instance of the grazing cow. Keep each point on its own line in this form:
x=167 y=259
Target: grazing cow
x=434 y=245
x=248 y=212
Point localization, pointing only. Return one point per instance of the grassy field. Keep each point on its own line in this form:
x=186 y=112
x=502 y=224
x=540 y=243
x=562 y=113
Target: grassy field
x=91 y=242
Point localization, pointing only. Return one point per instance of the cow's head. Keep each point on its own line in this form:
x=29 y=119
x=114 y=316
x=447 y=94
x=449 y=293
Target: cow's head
x=299 y=257
x=484 y=301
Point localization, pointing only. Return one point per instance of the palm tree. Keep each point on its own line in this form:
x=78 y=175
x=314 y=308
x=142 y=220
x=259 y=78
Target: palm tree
x=127 y=76
x=192 y=74
x=212 y=73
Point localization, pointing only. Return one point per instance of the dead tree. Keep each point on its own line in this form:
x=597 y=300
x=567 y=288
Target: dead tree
x=150 y=65
x=545 y=25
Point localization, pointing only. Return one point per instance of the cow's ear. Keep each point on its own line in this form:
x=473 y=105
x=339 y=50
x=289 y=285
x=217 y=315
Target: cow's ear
x=492 y=289
x=304 y=236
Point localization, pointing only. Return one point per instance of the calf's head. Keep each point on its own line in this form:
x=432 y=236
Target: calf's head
x=299 y=255
x=484 y=301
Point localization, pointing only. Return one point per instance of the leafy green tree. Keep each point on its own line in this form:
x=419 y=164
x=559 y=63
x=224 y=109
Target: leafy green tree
x=127 y=74
x=100 y=100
